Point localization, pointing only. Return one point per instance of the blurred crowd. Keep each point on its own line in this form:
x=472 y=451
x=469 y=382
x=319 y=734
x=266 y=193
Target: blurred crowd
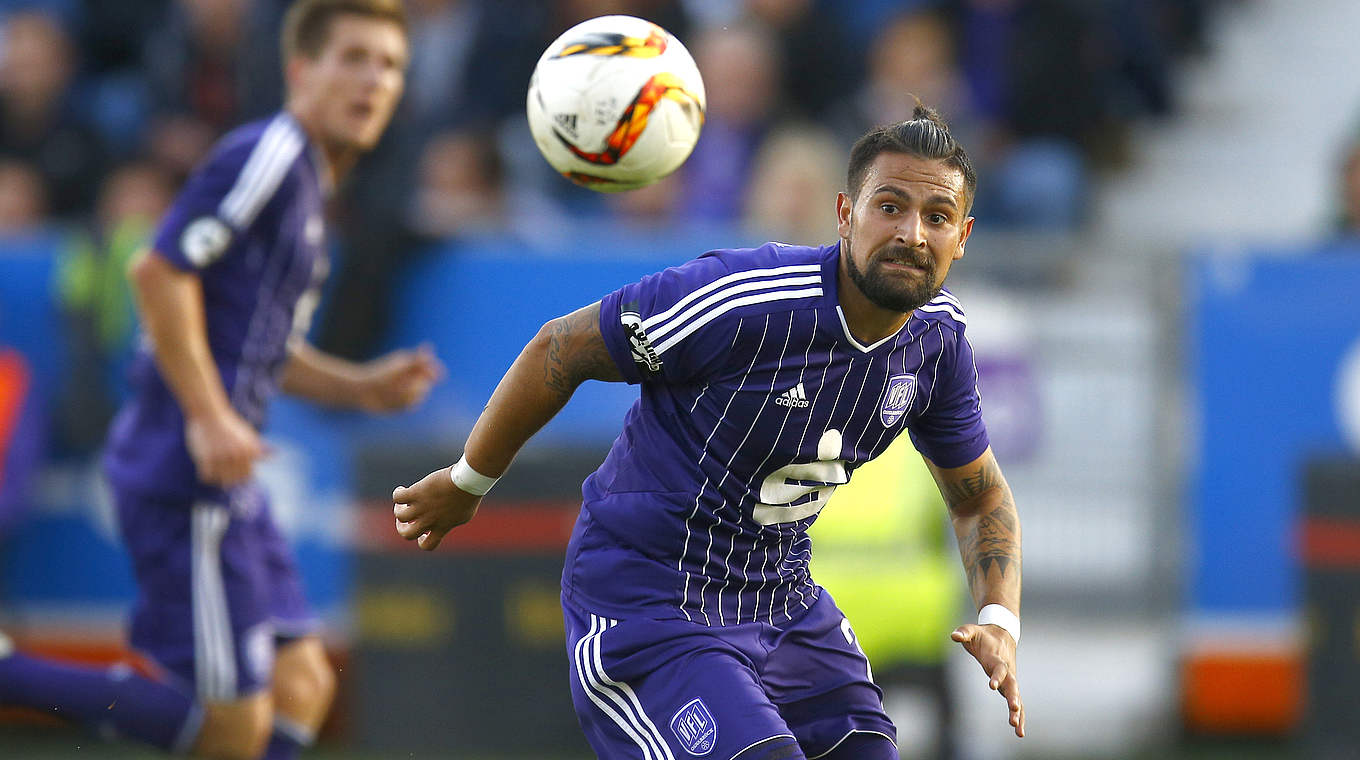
x=106 y=106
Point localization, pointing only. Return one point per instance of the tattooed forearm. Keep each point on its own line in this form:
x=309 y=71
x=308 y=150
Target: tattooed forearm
x=987 y=527
x=576 y=352
x=991 y=549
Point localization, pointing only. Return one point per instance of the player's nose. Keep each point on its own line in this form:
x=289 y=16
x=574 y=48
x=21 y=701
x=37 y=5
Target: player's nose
x=911 y=230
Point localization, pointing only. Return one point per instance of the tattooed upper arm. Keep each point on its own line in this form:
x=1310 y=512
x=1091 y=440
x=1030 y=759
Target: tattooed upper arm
x=576 y=352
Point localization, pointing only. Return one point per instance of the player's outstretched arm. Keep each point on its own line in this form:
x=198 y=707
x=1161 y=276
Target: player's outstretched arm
x=988 y=529
x=389 y=383
x=565 y=353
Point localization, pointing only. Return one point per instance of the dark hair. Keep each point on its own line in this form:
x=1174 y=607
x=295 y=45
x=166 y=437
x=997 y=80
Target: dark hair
x=925 y=135
x=307 y=24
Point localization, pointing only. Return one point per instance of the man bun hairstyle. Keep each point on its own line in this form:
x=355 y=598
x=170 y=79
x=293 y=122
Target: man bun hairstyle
x=925 y=135
x=307 y=24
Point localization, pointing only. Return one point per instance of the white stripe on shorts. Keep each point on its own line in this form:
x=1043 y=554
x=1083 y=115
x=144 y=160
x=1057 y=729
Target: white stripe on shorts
x=629 y=714
x=214 y=657
x=848 y=734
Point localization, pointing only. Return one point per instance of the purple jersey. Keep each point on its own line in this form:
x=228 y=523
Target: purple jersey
x=756 y=403
x=249 y=224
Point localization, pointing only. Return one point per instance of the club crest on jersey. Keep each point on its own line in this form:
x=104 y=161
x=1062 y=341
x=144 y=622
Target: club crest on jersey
x=897 y=399
x=694 y=726
x=644 y=355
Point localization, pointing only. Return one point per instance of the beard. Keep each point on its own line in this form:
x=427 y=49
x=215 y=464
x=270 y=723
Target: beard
x=890 y=292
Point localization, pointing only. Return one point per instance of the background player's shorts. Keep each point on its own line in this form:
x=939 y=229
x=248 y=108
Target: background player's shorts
x=217 y=584
x=671 y=689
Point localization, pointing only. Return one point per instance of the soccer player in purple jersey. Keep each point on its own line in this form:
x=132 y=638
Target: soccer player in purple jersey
x=225 y=295
x=767 y=376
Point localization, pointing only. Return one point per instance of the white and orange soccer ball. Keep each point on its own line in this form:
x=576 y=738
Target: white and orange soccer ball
x=616 y=103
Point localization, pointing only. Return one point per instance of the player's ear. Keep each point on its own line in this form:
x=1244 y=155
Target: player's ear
x=295 y=73
x=844 y=204
x=966 y=230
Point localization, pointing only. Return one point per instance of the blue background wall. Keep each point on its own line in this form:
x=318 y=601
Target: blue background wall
x=1267 y=332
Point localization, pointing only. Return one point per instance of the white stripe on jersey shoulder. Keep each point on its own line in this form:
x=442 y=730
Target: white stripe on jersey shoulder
x=734 y=290
x=724 y=282
x=263 y=172
x=945 y=303
x=945 y=295
x=709 y=316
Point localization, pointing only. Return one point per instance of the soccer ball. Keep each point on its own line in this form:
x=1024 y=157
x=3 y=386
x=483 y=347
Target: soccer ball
x=616 y=103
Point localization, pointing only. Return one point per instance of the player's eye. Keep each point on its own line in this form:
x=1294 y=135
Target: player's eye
x=888 y=208
x=937 y=218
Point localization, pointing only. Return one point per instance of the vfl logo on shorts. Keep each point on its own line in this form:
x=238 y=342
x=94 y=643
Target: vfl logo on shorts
x=694 y=726
x=643 y=354
x=897 y=399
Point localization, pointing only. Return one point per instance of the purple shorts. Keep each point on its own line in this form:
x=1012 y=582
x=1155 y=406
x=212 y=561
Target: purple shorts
x=672 y=689
x=217 y=585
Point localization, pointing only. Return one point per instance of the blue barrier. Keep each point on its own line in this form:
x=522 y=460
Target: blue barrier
x=29 y=318
x=1267 y=335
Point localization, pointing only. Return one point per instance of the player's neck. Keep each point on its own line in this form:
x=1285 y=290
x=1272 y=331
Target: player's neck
x=868 y=323
x=336 y=158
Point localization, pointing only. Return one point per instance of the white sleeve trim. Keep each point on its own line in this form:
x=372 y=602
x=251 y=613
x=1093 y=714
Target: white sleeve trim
x=263 y=172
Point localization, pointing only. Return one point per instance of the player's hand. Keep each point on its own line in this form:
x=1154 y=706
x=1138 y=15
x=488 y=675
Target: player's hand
x=224 y=447
x=398 y=380
x=428 y=510
x=994 y=649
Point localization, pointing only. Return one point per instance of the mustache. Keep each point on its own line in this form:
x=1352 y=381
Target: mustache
x=908 y=255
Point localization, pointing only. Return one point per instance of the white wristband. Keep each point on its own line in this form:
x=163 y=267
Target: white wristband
x=468 y=479
x=995 y=614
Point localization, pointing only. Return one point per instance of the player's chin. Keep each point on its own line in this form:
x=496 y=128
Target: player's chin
x=365 y=136
x=904 y=300
x=362 y=142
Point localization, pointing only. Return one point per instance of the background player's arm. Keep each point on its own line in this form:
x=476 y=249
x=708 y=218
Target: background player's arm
x=224 y=446
x=565 y=353
x=386 y=384
x=988 y=530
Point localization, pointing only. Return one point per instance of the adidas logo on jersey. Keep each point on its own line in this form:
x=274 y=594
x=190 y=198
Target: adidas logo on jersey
x=793 y=397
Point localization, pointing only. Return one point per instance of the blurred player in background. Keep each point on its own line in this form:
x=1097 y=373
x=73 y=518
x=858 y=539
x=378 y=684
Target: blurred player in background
x=225 y=297
x=767 y=376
